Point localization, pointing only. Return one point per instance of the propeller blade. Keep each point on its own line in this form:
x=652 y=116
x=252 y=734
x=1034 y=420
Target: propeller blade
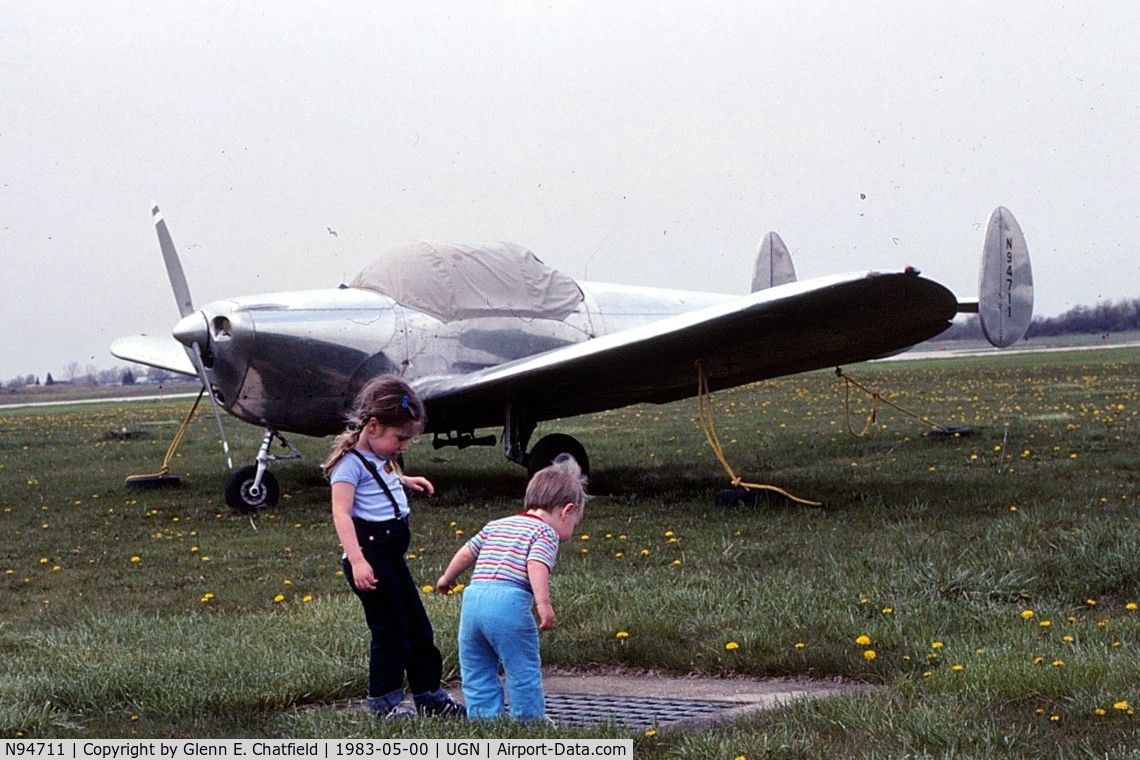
x=197 y=357
x=173 y=266
x=186 y=306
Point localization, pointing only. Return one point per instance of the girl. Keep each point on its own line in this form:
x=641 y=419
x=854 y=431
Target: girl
x=513 y=557
x=370 y=514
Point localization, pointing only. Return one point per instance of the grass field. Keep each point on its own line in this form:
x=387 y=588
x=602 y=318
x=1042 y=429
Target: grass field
x=985 y=584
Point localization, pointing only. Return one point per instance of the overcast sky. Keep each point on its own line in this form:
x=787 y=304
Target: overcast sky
x=643 y=142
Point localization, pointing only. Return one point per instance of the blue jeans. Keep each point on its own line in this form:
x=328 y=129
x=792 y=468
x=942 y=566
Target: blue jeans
x=402 y=636
x=497 y=626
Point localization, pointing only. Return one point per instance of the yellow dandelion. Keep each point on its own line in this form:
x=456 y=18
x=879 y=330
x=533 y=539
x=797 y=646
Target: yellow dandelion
x=1026 y=614
x=623 y=634
x=869 y=654
x=1045 y=623
x=800 y=645
x=1121 y=705
x=888 y=610
x=731 y=645
x=136 y=559
x=863 y=640
x=278 y=599
x=651 y=732
x=427 y=588
x=1100 y=711
x=1058 y=663
x=936 y=645
x=1130 y=606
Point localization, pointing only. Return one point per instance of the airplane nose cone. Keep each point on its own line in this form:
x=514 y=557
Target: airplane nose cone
x=192 y=329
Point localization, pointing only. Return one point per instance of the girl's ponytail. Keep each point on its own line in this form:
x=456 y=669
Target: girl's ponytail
x=340 y=446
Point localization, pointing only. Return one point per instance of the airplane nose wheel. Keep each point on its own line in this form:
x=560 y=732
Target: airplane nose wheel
x=241 y=494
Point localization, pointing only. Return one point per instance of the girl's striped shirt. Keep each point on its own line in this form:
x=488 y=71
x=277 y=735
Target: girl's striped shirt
x=503 y=547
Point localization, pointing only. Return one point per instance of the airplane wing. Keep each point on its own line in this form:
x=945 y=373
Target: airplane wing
x=164 y=353
x=797 y=327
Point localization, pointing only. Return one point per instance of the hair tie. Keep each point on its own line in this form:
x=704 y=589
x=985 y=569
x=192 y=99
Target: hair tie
x=404 y=403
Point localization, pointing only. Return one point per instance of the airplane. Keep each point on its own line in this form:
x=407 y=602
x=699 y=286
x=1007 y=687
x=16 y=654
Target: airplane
x=491 y=337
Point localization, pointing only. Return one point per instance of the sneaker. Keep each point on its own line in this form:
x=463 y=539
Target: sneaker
x=398 y=711
x=447 y=707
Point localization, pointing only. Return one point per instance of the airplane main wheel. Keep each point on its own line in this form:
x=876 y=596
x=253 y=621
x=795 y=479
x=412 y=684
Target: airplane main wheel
x=550 y=446
x=239 y=490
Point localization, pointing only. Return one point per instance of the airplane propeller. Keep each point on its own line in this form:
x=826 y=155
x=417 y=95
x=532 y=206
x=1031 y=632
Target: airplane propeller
x=181 y=290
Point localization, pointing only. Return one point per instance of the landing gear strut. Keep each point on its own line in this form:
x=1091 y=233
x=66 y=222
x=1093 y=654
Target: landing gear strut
x=517 y=430
x=253 y=487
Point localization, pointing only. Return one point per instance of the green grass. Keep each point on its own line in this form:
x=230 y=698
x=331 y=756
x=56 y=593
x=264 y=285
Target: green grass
x=163 y=614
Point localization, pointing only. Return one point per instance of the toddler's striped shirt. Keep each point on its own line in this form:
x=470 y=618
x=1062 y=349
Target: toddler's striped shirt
x=503 y=547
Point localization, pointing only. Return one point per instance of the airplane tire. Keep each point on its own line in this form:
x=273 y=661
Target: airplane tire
x=238 y=494
x=550 y=446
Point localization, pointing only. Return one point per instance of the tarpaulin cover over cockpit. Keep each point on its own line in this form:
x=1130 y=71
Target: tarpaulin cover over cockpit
x=454 y=281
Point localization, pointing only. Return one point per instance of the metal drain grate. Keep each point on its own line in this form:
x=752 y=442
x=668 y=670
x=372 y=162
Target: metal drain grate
x=632 y=712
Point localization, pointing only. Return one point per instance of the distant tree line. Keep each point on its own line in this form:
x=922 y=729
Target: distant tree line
x=1104 y=318
x=74 y=375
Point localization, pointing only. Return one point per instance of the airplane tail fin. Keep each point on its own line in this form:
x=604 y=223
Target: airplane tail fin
x=773 y=264
x=1005 y=282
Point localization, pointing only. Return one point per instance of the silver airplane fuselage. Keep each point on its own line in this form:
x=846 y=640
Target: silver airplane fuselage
x=294 y=361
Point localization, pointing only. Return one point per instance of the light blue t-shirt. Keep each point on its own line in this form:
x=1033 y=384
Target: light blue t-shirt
x=371 y=503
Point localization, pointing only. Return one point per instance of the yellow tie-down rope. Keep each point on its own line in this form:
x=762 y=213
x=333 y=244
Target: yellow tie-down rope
x=709 y=428
x=875 y=398
x=162 y=473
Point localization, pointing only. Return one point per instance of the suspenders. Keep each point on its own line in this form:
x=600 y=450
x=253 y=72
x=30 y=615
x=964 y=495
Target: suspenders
x=387 y=491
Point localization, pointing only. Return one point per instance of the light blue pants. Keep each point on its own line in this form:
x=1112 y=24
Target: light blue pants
x=497 y=626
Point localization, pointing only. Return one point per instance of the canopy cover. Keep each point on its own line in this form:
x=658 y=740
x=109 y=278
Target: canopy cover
x=454 y=281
